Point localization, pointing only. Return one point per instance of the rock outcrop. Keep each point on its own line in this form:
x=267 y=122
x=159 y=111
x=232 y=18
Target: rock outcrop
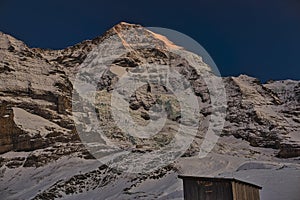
x=36 y=88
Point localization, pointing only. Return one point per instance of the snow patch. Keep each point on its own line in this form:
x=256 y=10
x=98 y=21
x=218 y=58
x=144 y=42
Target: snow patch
x=34 y=124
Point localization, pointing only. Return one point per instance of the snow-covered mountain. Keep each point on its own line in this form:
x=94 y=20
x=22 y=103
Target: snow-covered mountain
x=41 y=150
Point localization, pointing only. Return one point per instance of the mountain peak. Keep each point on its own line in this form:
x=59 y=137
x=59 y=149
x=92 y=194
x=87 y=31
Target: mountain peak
x=9 y=42
x=123 y=28
x=126 y=24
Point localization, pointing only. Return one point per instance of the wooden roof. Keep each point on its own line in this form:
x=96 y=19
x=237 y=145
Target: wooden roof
x=219 y=179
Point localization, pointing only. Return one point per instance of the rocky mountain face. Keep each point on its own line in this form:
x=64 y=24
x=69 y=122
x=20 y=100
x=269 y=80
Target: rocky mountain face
x=38 y=134
x=264 y=114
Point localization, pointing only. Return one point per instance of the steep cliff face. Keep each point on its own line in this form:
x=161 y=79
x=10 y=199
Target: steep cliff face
x=9 y=130
x=288 y=92
x=258 y=113
x=35 y=99
x=37 y=127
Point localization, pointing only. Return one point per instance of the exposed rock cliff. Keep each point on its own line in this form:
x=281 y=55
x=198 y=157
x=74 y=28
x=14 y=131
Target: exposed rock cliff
x=37 y=127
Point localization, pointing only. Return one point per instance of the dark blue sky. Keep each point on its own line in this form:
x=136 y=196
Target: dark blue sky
x=260 y=38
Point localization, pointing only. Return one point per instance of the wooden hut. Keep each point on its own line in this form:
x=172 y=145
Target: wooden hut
x=208 y=188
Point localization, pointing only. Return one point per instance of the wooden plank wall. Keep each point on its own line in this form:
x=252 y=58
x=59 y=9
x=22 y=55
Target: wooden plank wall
x=244 y=192
x=207 y=190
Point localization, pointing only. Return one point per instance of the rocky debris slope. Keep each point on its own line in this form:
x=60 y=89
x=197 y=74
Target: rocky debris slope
x=102 y=177
x=36 y=120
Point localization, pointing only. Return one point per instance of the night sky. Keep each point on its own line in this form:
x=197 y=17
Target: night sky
x=260 y=38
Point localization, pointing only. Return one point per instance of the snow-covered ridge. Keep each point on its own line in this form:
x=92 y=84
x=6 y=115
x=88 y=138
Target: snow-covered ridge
x=40 y=148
